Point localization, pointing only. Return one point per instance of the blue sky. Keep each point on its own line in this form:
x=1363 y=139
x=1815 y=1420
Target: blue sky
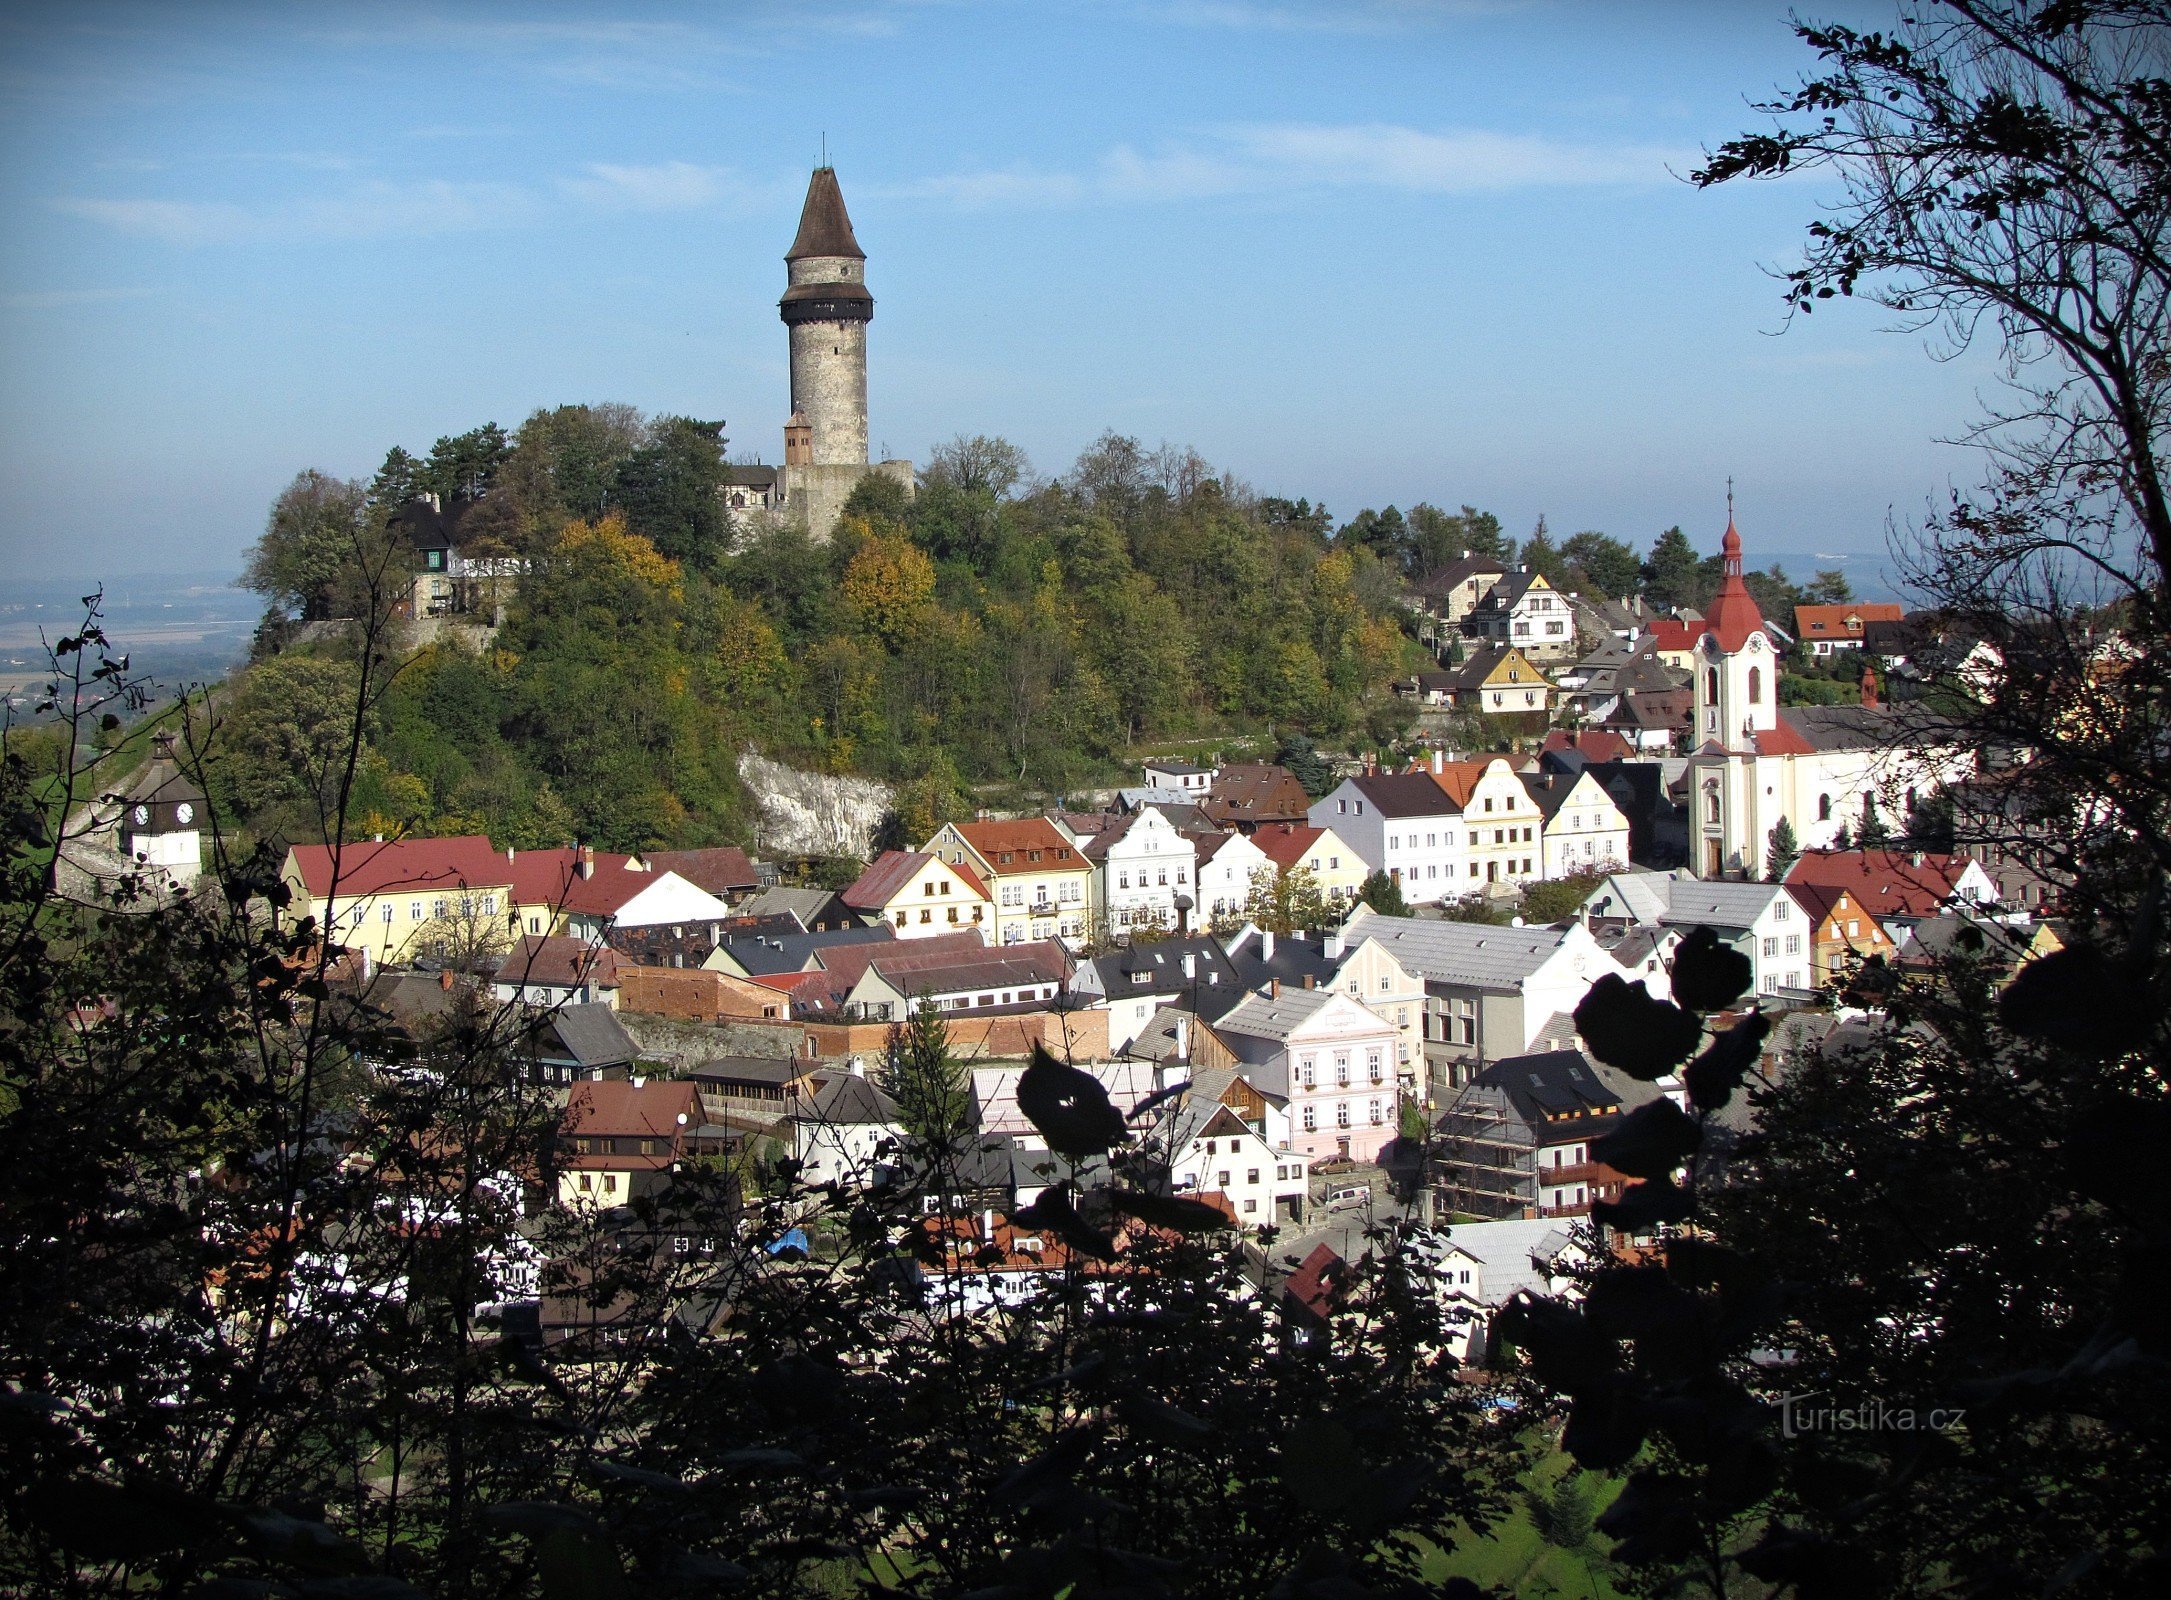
x=1364 y=251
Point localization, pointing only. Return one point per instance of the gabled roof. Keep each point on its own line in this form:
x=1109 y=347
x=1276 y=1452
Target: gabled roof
x=1848 y=621
x=1007 y=846
x=587 y=1035
x=1673 y=634
x=1316 y=1283
x=1592 y=744
x=1549 y=1084
x=1514 y=1253
x=1694 y=902
x=367 y=866
x=894 y=870
x=1286 y=842
x=718 y=870
x=1884 y=882
x=1396 y=795
x=1473 y=953
x=763 y=954
x=1157 y=967
x=1272 y=1016
x=1293 y=961
x=560 y=961
x=1248 y=791
x=845 y=1099
x=628 y=1108
x=1445 y=580
x=825 y=228
x=1498 y=664
x=555 y=878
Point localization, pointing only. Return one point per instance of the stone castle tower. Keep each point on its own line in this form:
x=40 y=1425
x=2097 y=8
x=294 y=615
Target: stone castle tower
x=827 y=308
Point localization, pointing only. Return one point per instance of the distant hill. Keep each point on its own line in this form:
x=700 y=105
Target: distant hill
x=183 y=627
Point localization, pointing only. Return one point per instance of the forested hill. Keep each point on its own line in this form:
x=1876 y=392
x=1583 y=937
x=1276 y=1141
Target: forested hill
x=996 y=629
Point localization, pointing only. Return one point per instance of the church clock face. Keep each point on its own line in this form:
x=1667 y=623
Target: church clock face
x=184 y=813
x=143 y=816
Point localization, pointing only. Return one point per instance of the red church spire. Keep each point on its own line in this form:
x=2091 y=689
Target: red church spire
x=1733 y=615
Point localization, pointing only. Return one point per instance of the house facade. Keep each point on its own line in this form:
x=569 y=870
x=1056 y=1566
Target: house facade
x=1226 y=864
x=919 y=894
x=1337 y=869
x=1402 y=823
x=1584 y=830
x=1525 y=610
x=1145 y=872
x=1041 y=881
x=1330 y=1057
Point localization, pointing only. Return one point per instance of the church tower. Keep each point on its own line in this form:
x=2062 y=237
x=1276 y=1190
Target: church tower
x=827 y=308
x=1737 y=674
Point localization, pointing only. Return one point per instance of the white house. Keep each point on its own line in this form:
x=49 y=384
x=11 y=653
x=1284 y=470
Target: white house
x=1145 y=873
x=1404 y=823
x=1211 y=1148
x=1132 y=984
x=1226 y=862
x=1584 y=830
x=1331 y=1057
x=1761 y=920
x=1526 y=611
x=847 y=1132
x=1193 y=783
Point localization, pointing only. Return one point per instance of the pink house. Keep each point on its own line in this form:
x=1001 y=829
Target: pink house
x=1330 y=1056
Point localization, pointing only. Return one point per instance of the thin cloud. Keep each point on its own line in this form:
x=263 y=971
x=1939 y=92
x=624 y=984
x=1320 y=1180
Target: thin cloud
x=670 y=186
x=54 y=299
x=1325 y=16
x=1277 y=158
x=368 y=211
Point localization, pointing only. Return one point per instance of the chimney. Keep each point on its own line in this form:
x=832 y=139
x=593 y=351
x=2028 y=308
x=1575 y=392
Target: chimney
x=987 y=1225
x=369 y=963
x=1310 y=982
x=1330 y=944
x=587 y=860
x=444 y=979
x=1183 y=1039
x=1190 y=965
x=638 y=1083
x=1439 y=761
x=508 y=853
x=1266 y=946
x=1869 y=686
x=859 y=1066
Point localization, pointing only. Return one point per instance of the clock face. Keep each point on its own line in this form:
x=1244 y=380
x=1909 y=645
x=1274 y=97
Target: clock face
x=143 y=816
x=184 y=812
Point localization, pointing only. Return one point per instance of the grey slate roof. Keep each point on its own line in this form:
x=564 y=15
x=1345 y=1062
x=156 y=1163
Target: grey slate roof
x=592 y=1036
x=1161 y=962
x=1549 y=1083
x=1456 y=952
x=1293 y=961
x=1862 y=727
x=768 y=956
x=1265 y=1016
x=845 y=1099
x=1719 y=905
x=1508 y=1249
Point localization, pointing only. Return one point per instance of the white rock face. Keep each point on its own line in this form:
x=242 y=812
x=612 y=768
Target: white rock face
x=811 y=813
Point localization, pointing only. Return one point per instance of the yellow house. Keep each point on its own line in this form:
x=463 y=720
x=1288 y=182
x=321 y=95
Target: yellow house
x=1503 y=826
x=1041 y=882
x=1509 y=685
x=398 y=898
x=919 y=894
x=1334 y=866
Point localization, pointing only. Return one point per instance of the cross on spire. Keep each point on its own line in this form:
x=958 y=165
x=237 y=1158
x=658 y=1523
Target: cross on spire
x=1729 y=497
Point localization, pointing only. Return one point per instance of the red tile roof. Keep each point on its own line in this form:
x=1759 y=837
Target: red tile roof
x=1843 y=622
x=374 y=866
x=1885 y=883
x=1286 y=842
x=1672 y=634
x=626 y=1109
x=995 y=840
x=559 y=960
x=720 y=869
x=1592 y=744
x=553 y=878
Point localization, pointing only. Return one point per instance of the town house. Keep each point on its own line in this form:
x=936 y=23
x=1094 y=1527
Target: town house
x=1334 y=866
x=1041 y=880
x=1331 y=1057
x=1145 y=870
x=1404 y=824
x=1761 y=920
x=919 y=894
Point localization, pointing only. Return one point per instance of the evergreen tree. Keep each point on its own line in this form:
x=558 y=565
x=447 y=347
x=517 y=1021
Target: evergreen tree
x=930 y=1085
x=398 y=481
x=1383 y=893
x=1542 y=556
x=1781 y=848
x=1669 y=572
x=1306 y=765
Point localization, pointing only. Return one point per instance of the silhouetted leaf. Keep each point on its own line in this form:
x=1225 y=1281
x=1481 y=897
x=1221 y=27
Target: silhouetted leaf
x=1624 y=1027
x=1069 y=1107
x=1155 y=1415
x=1713 y=1076
x=1566 y=1352
x=1643 y=1206
x=1654 y=1519
x=1817 y=1566
x=1053 y=1212
x=1605 y=1427
x=1708 y=975
x=302 y=1542
x=106 y=1522
x=535 y=1518
x=1320 y=1466
x=1650 y=1142
x=1170 y=1211
x=1031 y=1483
x=2075 y=997
x=578 y=1565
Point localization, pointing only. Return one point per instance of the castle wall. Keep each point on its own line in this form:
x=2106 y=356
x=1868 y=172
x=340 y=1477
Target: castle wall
x=817 y=494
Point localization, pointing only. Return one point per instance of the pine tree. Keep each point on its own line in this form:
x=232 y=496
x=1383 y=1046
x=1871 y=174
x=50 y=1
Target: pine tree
x=1780 y=851
x=1383 y=894
x=928 y=1083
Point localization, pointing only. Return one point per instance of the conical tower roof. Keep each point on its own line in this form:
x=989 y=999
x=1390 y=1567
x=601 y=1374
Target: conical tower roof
x=1733 y=615
x=825 y=227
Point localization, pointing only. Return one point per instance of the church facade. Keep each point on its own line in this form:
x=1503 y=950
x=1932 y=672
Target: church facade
x=826 y=309
x=1825 y=769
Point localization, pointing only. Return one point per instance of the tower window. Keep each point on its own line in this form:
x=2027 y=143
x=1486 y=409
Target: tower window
x=1756 y=686
x=1711 y=684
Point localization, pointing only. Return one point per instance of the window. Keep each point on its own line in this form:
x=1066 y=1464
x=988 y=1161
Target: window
x=1252 y=1176
x=1341 y=1113
x=1711 y=684
x=1756 y=686
x=489 y=905
x=1771 y=947
x=1854 y=928
x=901 y=918
x=1794 y=944
x=387 y=913
x=414 y=911
x=1251 y=1205
x=1781 y=910
x=926 y=915
x=1373 y=1110
x=1311 y=1119
x=1824 y=808
x=437 y=908
x=1221 y=1181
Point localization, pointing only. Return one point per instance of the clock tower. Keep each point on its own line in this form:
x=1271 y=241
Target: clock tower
x=161 y=818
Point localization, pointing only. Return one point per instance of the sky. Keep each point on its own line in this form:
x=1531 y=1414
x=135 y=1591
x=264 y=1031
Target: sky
x=1360 y=251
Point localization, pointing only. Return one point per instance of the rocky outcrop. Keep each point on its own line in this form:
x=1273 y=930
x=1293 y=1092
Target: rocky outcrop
x=812 y=813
